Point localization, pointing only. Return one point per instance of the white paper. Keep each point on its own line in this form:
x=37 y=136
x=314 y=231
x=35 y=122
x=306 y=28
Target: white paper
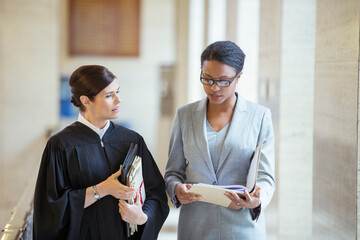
x=215 y=193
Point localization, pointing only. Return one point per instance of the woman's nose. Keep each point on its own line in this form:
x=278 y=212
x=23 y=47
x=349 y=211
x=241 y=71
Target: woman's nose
x=215 y=87
x=118 y=99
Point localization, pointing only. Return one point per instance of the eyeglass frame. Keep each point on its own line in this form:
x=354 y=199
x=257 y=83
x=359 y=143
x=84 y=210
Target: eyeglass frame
x=216 y=81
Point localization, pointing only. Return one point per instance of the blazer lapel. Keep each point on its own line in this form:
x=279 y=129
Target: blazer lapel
x=233 y=131
x=199 y=124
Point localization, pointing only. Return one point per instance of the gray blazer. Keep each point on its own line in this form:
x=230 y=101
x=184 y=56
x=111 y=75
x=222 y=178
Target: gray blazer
x=190 y=162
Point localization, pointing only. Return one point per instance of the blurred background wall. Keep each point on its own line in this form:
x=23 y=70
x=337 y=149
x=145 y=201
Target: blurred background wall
x=302 y=62
x=29 y=91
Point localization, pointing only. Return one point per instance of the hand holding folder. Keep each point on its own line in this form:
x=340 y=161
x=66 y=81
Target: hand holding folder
x=132 y=177
x=215 y=194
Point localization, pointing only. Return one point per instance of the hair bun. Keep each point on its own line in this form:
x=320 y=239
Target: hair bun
x=73 y=100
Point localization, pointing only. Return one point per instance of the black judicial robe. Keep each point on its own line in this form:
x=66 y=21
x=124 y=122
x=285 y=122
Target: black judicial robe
x=73 y=160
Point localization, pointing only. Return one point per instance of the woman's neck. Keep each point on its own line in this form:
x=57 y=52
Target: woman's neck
x=96 y=122
x=227 y=106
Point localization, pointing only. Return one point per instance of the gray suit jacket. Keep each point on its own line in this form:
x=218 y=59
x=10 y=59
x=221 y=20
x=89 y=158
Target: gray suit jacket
x=190 y=162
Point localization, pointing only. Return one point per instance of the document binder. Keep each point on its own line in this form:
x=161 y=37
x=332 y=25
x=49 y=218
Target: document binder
x=129 y=159
x=131 y=176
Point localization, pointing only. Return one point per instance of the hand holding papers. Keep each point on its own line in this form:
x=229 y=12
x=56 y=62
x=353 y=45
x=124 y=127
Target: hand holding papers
x=215 y=194
x=183 y=195
x=135 y=180
x=132 y=177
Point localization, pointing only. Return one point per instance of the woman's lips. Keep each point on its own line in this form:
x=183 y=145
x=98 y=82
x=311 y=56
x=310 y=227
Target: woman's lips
x=215 y=96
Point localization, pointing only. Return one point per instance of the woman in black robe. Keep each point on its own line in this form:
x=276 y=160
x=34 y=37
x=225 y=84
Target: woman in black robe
x=78 y=194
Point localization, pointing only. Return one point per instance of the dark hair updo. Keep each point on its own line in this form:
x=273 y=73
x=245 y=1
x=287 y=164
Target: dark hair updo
x=225 y=52
x=89 y=80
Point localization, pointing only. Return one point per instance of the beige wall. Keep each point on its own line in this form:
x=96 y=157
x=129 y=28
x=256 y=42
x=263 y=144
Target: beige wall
x=335 y=120
x=28 y=91
x=296 y=119
x=139 y=77
x=33 y=56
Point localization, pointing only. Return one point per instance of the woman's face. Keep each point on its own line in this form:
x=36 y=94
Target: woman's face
x=105 y=105
x=218 y=71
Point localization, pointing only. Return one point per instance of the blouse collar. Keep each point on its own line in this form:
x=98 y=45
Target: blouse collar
x=99 y=131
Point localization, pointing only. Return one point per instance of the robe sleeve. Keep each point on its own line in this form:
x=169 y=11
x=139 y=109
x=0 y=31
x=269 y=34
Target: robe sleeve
x=58 y=209
x=155 y=205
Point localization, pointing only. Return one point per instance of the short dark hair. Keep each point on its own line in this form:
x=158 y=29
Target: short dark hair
x=225 y=52
x=89 y=80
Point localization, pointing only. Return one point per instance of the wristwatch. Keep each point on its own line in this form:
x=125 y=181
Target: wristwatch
x=96 y=194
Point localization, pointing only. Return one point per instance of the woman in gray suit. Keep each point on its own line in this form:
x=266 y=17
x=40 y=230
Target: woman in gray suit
x=212 y=142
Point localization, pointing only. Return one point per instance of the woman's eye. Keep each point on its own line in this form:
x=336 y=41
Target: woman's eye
x=108 y=96
x=117 y=92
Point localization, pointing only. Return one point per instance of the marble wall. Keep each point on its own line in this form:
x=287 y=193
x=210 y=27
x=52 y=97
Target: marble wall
x=296 y=119
x=336 y=109
x=286 y=78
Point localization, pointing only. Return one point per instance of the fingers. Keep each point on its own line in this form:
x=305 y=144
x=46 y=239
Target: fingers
x=132 y=213
x=257 y=192
x=247 y=200
x=137 y=198
x=247 y=196
x=234 y=197
x=188 y=198
x=236 y=201
x=183 y=195
x=181 y=188
x=118 y=173
x=126 y=193
x=122 y=206
x=122 y=203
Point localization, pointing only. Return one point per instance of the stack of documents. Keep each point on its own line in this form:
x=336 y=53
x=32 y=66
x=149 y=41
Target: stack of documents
x=215 y=194
x=135 y=180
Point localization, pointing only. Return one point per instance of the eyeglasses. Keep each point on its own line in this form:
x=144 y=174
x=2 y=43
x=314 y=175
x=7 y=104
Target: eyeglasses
x=220 y=83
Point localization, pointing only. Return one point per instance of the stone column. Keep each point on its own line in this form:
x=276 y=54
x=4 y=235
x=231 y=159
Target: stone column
x=296 y=119
x=268 y=88
x=286 y=74
x=336 y=129
x=231 y=20
x=247 y=33
x=182 y=48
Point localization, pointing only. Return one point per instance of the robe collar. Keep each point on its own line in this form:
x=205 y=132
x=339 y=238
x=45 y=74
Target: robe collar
x=99 y=131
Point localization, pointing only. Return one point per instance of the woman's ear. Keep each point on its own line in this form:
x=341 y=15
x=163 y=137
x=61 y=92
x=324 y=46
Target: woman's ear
x=239 y=75
x=85 y=101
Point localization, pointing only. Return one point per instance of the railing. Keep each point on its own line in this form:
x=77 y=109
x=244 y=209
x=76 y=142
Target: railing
x=20 y=225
